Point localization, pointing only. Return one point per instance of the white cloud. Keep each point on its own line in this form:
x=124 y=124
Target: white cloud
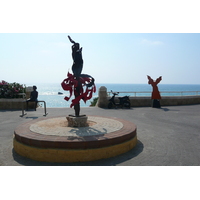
x=149 y=42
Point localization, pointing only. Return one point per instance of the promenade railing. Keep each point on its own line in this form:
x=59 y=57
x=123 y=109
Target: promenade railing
x=162 y=93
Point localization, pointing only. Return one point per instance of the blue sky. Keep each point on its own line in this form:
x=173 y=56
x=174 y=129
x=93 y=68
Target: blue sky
x=108 y=57
x=122 y=42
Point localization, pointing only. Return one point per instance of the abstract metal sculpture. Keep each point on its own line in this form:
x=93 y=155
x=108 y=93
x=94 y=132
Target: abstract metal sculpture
x=155 y=93
x=74 y=83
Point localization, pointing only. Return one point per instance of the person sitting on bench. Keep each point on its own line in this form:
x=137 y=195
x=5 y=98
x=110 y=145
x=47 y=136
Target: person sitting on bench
x=33 y=97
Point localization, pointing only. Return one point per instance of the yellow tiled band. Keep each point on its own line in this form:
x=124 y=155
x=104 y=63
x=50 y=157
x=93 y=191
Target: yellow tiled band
x=68 y=155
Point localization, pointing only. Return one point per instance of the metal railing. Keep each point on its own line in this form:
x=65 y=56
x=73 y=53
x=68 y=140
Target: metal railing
x=163 y=93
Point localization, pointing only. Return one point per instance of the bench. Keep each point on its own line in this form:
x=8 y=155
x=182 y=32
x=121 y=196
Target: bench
x=45 y=110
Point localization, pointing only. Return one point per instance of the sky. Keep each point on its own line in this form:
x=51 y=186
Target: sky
x=122 y=42
x=108 y=57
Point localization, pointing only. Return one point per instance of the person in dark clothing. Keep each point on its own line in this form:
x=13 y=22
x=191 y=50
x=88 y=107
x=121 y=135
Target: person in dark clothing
x=33 y=97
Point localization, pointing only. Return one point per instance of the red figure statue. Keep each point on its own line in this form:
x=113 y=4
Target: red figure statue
x=155 y=93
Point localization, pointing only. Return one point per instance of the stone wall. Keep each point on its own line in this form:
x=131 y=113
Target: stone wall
x=16 y=104
x=29 y=89
x=146 y=101
x=103 y=97
x=11 y=104
x=180 y=100
x=165 y=101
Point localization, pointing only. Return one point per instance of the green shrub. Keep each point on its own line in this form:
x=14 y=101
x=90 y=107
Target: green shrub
x=11 y=90
x=94 y=101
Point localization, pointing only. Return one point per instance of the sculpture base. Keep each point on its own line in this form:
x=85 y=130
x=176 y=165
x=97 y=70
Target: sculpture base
x=155 y=103
x=51 y=140
x=80 y=121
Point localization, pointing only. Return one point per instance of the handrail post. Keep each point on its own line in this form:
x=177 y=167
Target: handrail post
x=45 y=110
x=23 y=110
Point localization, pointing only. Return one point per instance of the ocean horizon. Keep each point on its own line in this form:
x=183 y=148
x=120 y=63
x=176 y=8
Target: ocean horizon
x=49 y=91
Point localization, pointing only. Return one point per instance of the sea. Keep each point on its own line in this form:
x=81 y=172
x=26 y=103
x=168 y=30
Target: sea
x=49 y=92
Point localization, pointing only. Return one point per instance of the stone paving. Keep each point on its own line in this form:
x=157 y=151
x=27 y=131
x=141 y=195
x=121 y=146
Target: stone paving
x=169 y=136
x=58 y=126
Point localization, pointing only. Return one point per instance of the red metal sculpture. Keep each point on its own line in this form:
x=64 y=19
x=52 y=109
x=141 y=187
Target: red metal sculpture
x=155 y=93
